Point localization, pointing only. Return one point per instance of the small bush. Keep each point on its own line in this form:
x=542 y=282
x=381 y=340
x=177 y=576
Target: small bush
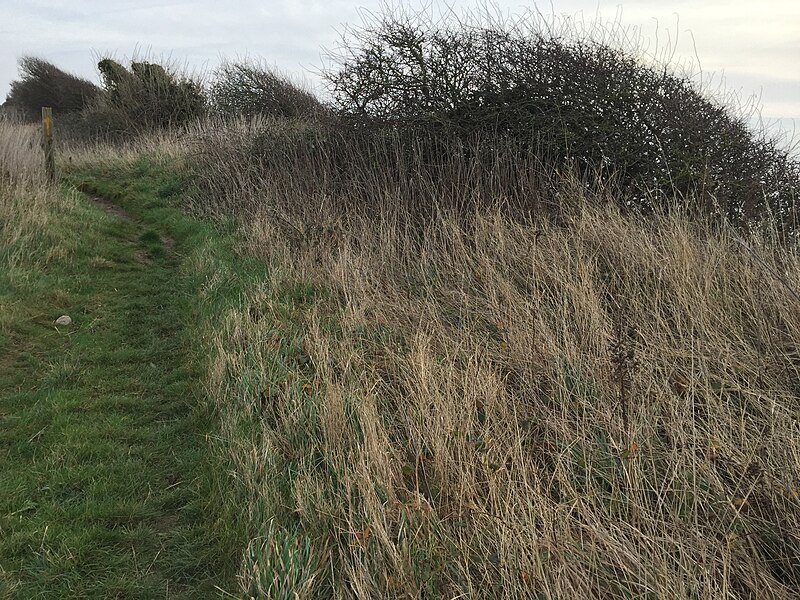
x=43 y=84
x=147 y=96
x=248 y=89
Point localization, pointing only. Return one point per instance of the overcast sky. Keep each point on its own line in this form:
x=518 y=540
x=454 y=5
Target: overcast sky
x=754 y=45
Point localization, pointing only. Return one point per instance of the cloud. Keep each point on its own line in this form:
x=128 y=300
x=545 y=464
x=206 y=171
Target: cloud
x=755 y=43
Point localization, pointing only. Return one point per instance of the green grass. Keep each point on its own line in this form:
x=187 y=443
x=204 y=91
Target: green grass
x=108 y=488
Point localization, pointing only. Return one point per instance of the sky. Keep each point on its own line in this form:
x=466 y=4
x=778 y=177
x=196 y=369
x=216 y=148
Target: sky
x=751 y=48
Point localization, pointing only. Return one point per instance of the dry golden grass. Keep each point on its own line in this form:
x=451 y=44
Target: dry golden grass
x=155 y=146
x=20 y=149
x=28 y=202
x=603 y=407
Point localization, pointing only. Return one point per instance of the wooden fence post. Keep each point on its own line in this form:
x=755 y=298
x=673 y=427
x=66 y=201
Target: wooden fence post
x=47 y=143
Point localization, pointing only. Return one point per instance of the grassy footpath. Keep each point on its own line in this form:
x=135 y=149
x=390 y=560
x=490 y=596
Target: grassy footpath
x=108 y=487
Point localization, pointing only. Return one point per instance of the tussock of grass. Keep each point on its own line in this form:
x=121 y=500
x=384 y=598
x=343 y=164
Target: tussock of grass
x=19 y=149
x=29 y=206
x=602 y=407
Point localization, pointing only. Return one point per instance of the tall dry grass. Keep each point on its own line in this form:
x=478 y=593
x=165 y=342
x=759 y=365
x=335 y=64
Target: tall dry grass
x=20 y=149
x=161 y=146
x=596 y=406
x=29 y=203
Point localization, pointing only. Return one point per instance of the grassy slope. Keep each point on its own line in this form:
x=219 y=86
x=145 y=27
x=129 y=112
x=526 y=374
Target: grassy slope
x=108 y=489
x=599 y=407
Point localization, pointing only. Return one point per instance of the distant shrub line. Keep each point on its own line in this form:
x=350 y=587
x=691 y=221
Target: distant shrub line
x=421 y=105
x=146 y=96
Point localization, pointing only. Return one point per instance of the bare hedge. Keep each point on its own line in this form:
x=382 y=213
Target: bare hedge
x=248 y=89
x=648 y=130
